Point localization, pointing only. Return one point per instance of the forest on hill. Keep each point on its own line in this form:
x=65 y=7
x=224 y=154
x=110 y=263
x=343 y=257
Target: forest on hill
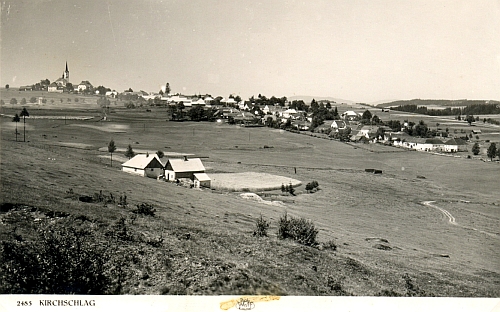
x=450 y=108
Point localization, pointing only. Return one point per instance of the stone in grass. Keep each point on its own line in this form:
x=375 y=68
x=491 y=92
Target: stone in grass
x=382 y=247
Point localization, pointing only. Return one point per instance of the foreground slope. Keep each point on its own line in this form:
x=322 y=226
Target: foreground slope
x=389 y=241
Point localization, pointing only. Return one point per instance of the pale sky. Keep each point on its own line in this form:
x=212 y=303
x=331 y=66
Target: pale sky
x=364 y=51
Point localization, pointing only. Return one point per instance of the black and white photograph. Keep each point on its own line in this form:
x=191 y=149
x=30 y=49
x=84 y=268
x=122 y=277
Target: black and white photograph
x=219 y=155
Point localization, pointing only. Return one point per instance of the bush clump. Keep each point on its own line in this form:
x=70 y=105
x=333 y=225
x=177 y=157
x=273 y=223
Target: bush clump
x=261 y=226
x=61 y=259
x=145 y=209
x=312 y=186
x=298 y=229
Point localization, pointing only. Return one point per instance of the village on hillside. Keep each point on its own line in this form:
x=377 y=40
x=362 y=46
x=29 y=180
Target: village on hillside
x=351 y=123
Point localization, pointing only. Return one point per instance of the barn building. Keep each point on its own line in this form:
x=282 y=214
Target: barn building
x=183 y=168
x=144 y=165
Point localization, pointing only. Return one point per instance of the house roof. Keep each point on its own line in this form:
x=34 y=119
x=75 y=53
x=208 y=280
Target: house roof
x=186 y=164
x=199 y=102
x=418 y=140
x=202 y=177
x=350 y=113
x=433 y=141
x=370 y=128
x=401 y=136
x=142 y=161
x=339 y=123
x=455 y=141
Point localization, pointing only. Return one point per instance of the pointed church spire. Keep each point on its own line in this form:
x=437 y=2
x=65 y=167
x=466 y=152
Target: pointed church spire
x=66 y=72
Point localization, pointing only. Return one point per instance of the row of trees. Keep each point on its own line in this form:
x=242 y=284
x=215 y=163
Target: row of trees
x=33 y=100
x=262 y=100
x=491 y=152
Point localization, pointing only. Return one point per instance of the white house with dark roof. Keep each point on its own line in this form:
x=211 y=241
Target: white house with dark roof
x=350 y=115
x=428 y=145
x=183 y=168
x=455 y=145
x=368 y=131
x=54 y=87
x=85 y=86
x=339 y=125
x=144 y=165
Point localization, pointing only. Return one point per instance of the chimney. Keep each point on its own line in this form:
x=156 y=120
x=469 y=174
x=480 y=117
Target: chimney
x=185 y=158
x=147 y=154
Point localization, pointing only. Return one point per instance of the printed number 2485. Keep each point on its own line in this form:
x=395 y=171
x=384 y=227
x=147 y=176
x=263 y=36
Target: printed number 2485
x=24 y=303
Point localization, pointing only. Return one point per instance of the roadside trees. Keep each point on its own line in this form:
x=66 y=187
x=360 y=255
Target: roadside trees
x=13 y=101
x=111 y=149
x=130 y=152
x=33 y=100
x=24 y=114
x=475 y=149
x=492 y=151
x=16 y=119
x=23 y=101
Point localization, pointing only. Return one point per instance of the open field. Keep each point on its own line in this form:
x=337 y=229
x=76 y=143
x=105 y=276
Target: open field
x=385 y=225
x=250 y=181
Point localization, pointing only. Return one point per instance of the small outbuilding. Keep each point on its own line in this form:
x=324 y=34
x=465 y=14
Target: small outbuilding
x=183 y=168
x=144 y=165
x=201 y=180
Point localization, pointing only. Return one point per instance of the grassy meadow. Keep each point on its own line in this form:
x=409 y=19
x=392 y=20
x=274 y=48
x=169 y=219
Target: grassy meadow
x=388 y=241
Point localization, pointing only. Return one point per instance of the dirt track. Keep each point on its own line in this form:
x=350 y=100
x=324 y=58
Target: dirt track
x=451 y=219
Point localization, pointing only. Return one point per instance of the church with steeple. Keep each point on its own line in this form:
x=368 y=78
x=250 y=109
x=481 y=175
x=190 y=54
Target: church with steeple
x=64 y=80
x=60 y=84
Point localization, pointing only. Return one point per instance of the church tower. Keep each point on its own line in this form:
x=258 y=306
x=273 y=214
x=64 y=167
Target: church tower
x=66 y=72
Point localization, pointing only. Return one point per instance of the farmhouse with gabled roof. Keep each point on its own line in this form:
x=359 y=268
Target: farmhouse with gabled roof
x=144 y=165
x=183 y=168
x=455 y=145
x=339 y=125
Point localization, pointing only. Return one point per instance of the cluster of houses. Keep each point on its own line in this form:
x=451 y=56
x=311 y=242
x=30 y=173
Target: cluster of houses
x=61 y=84
x=173 y=170
x=372 y=134
x=452 y=145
